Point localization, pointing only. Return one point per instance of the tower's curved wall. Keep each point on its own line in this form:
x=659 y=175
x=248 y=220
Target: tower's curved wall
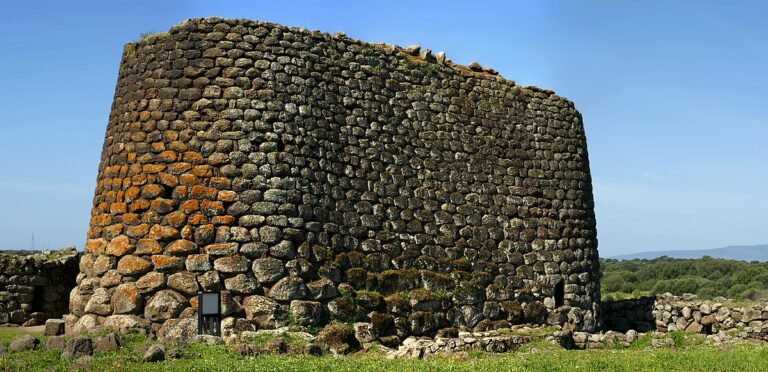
x=314 y=177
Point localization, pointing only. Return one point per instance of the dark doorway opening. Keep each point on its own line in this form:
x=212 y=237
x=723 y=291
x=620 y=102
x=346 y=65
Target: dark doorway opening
x=38 y=299
x=559 y=294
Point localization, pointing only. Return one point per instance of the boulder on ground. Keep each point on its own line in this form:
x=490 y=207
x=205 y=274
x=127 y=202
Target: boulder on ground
x=24 y=343
x=54 y=327
x=77 y=347
x=109 y=342
x=155 y=353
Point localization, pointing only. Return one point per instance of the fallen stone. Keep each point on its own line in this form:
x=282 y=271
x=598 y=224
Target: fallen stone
x=155 y=353
x=54 y=327
x=24 y=343
x=77 y=347
x=109 y=342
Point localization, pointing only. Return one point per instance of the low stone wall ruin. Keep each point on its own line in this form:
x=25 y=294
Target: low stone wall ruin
x=667 y=313
x=36 y=287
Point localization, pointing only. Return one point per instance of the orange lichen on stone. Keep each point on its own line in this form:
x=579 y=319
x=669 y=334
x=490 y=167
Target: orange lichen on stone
x=137 y=231
x=132 y=193
x=202 y=192
x=193 y=157
x=151 y=191
x=133 y=265
x=119 y=246
x=95 y=246
x=148 y=246
x=187 y=232
x=222 y=220
x=227 y=196
x=139 y=179
x=163 y=232
x=221 y=249
x=221 y=183
x=190 y=206
x=188 y=179
x=168 y=179
x=139 y=205
x=161 y=205
x=112 y=170
x=167 y=156
x=181 y=247
x=175 y=219
x=211 y=207
x=197 y=219
x=118 y=208
x=153 y=168
x=114 y=230
x=167 y=263
x=131 y=218
x=101 y=220
x=180 y=192
x=179 y=168
x=203 y=171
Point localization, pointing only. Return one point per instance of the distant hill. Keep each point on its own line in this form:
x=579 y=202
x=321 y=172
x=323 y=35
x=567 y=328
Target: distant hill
x=737 y=252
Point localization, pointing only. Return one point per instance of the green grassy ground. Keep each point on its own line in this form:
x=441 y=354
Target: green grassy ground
x=693 y=356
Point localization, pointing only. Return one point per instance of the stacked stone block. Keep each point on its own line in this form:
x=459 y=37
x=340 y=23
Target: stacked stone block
x=34 y=288
x=313 y=177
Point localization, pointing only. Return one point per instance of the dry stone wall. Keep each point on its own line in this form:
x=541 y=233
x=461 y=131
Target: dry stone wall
x=34 y=288
x=313 y=177
x=721 y=318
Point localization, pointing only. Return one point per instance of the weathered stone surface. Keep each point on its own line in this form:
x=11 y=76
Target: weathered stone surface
x=181 y=247
x=262 y=310
x=231 y=264
x=85 y=324
x=164 y=305
x=119 y=246
x=211 y=281
x=338 y=338
x=24 y=343
x=126 y=299
x=178 y=330
x=288 y=288
x=306 y=313
x=99 y=303
x=133 y=265
x=183 y=282
x=126 y=323
x=108 y=342
x=168 y=264
x=155 y=353
x=198 y=262
x=77 y=347
x=151 y=281
x=241 y=283
x=268 y=270
x=54 y=327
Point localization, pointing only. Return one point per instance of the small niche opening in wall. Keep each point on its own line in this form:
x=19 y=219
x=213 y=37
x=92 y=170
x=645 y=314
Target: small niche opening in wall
x=559 y=294
x=38 y=299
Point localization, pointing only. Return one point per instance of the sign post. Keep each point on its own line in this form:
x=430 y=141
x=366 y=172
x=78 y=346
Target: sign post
x=209 y=313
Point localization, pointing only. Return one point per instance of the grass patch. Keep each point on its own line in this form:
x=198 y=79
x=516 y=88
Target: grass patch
x=687 y=355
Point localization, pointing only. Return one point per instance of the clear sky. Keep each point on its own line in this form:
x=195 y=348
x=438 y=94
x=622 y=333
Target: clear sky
x=674 y=96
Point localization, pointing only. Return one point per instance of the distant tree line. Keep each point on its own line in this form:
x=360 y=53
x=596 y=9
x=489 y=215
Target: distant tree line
x=706 y=277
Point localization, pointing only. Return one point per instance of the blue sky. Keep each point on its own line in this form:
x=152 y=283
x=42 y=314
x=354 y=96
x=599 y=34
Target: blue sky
x=674 y=96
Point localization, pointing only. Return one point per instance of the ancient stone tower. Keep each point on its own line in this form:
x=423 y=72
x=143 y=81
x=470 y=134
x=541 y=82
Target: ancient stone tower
x=313 y=177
